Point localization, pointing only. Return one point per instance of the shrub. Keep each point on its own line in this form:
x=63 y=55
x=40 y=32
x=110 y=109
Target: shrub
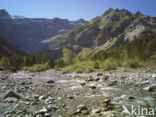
x=37 y=67
x=109 y=64
x=132 y=63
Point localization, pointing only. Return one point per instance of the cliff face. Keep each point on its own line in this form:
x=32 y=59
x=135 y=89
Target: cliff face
x=27 y=33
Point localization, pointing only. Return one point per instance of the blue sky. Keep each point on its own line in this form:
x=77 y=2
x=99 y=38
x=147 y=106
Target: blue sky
x=74 y=9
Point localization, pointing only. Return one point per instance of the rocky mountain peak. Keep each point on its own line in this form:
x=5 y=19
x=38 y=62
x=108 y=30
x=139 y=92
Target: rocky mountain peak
x=138 y=13
x=3 y=13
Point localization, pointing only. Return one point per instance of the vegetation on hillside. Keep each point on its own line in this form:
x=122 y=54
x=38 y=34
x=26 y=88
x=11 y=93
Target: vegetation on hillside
x=27 y=62
x=140 y=52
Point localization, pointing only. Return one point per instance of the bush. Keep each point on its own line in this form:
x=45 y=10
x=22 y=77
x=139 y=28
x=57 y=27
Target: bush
x=132 y=63
x=109 y=64
x=81 y=66
x=37 y=68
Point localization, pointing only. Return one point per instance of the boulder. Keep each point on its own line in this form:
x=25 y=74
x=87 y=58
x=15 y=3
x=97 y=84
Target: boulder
x=11 y=94
x=50 y=81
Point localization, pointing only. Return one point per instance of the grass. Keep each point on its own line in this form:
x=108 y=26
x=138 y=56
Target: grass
x=37 y=67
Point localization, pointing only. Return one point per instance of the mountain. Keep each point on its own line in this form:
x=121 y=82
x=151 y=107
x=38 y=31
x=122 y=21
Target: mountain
x=7 y=49
x=112 y=28
x=27 y=33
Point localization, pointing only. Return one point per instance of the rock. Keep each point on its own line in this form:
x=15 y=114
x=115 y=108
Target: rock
x=11 y=99
x=36 y=96
x=50 y=81
x=92 y=87
x=123 y=96
x=49 y=85
x=97 y=79
x=49 y=100
x=105 y=78
x=83 y=83
x=70 y=97
x=82 y=107
x=42 y=111
x=150 y=88
x=99 y=74
x=11 y=94
x=38 y=115
x=41 y=97
x=89 y=79
x=10 y=112
x=131 y=98
x=23 y=83
x=34 y=102
x=84 y=112
x=107 y=101
x=47 y=115
x=97 y=110
x=153 y=76
x=112 y=83
x=52 y=107
x=27 y=99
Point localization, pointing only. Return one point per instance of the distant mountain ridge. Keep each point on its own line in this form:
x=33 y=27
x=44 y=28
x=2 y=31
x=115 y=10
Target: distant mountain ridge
x=110 y=29
x=27 y=33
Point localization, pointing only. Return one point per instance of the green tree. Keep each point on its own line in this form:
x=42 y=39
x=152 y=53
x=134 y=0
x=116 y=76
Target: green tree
x=67 y=56
x=46 y=58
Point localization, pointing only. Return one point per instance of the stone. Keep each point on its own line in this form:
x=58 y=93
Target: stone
x=41 y=97
x=131 y=98
x=47 y=115
x=150 y=88
x=105 y=78
x=82 y=107
x=99 y=74
x=50 y=81
x=70 y=97
x=11 y=94
x=97 y=79
x=97 y=110
x=89 y=79
x=107 y=101
x=92 y=87
x=112 y=83
x=23 y=83
x=36 y=96
x=34 y=102
x=123 y=96
x=84 y=112
x=49 y=100
x=52 y=107
x=27 y=99
x=11 y=99
x=42 y=111
x=38 y=115
x=83 y=83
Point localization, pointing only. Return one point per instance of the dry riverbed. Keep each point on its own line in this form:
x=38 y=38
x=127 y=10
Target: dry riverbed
x=97 y=94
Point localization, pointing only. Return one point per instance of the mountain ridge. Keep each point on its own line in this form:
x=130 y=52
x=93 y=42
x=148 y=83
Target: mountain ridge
x=27 y=32
x=108 y=28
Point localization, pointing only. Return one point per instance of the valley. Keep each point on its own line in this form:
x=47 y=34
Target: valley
x=105 y=67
